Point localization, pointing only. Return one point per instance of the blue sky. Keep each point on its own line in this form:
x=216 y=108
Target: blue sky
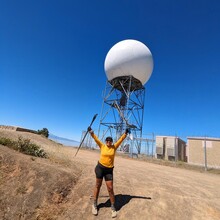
x=52 y=62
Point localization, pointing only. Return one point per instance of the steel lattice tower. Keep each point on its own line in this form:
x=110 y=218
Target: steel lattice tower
x=123 y=106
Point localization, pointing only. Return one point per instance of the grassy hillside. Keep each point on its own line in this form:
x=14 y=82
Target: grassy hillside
x=36 y=188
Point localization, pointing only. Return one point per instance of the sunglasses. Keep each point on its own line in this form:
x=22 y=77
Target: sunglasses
x=108 y=140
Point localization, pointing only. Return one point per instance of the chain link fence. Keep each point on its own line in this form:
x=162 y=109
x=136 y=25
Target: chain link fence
x=202 y=151
x=131 y=145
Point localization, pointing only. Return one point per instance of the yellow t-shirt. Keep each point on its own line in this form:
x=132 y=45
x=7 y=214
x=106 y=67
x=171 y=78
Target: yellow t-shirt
x=108 y=153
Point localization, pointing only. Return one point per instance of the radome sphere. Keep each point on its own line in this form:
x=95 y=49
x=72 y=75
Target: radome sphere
x=129 y=57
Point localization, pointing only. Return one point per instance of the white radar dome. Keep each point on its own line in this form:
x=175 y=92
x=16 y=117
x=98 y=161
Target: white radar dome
x=129 y=57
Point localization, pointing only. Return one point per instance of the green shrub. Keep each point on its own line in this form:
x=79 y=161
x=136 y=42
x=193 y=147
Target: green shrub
x=44 y=132
x=7 y=142
x=25 y=146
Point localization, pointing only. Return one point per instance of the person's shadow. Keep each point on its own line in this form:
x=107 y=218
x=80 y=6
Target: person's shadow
x=120 y=201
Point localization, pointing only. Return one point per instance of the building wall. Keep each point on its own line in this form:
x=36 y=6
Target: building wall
x=160 y=147
x=170 y=148
x=196 y=152
x=182 y=154
x=166 y=147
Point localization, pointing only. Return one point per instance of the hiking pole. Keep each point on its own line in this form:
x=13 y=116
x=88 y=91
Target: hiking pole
x=94 y=117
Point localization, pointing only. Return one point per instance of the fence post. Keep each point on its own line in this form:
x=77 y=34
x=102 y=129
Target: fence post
x=205 y=153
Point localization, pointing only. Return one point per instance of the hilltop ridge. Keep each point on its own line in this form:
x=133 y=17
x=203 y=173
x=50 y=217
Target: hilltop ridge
x=61 y=186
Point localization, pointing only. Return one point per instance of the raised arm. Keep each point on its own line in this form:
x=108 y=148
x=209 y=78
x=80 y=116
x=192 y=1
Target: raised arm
x=98 y=142
x=119 y=141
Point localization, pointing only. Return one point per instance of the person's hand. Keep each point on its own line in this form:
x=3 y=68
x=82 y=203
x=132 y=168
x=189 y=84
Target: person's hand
x=89 y=129
x=127 y=131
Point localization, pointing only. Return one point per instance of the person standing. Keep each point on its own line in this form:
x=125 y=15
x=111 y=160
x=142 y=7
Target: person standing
x=104 y=168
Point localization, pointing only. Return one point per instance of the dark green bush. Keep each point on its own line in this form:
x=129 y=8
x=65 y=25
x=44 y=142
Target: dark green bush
x=44 y=132
x=25 y=146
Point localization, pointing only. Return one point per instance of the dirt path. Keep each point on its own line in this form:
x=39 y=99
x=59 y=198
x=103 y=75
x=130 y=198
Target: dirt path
x=149 y=191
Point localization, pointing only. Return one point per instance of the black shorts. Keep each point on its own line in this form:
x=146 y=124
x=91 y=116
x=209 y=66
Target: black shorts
x=102 y=171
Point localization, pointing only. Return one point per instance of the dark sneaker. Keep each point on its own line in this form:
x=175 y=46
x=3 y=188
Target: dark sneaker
x=94 y=210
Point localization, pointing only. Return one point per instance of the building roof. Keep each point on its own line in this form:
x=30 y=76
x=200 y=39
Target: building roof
x=166 y=136
x=204 y=138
